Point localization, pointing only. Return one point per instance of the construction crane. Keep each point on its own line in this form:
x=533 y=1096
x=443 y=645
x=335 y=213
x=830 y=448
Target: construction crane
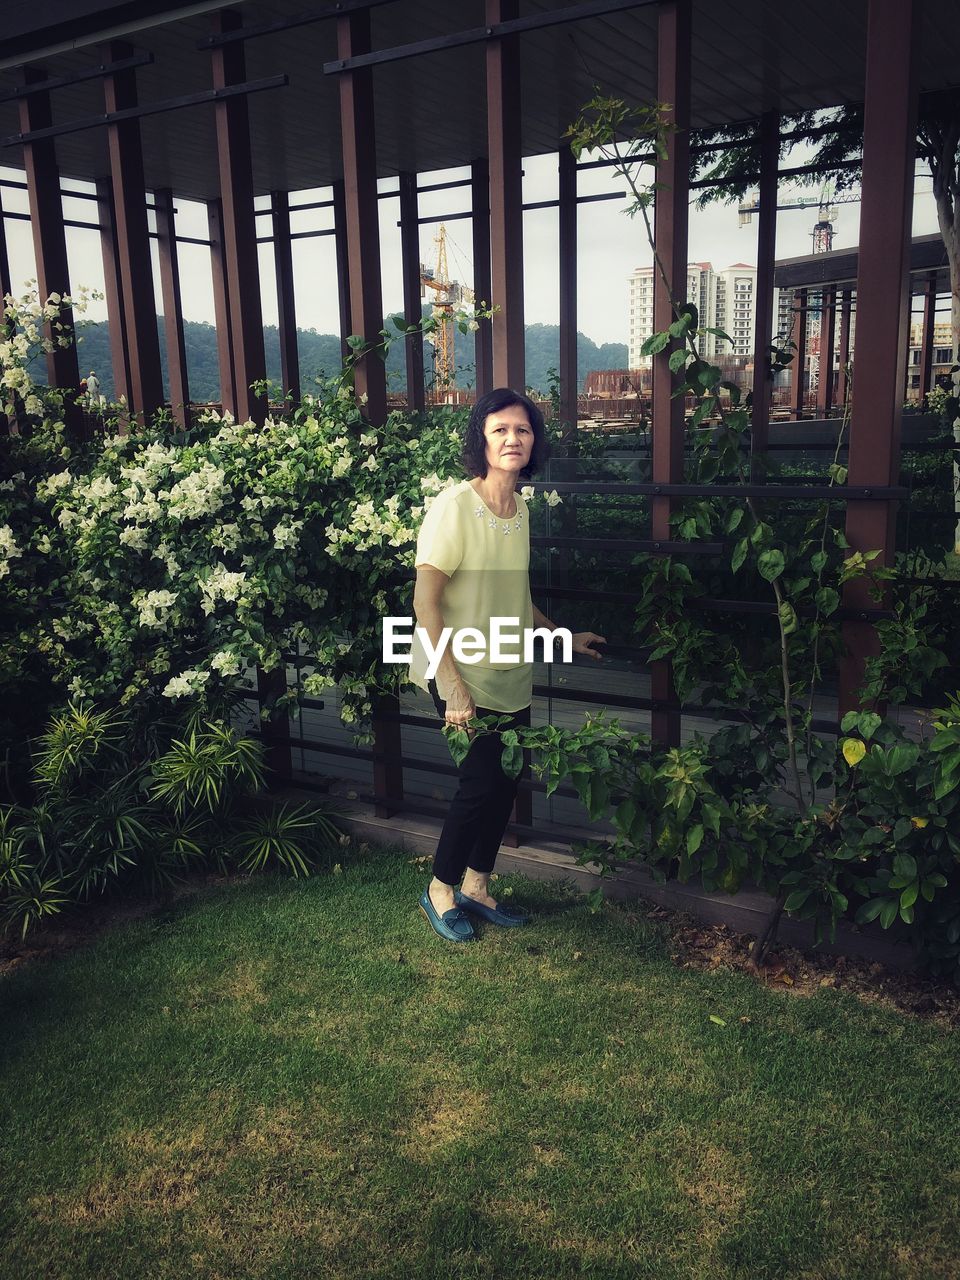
x=825 y=204
x=448 y=295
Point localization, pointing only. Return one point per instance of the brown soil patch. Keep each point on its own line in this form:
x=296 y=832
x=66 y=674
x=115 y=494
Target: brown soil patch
x=708 y=947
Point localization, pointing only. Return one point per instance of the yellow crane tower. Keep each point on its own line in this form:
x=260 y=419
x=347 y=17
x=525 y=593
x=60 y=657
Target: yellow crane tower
x=448 y=294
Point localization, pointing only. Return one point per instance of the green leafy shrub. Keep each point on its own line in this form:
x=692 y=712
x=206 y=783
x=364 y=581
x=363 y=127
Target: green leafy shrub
x=101 y=821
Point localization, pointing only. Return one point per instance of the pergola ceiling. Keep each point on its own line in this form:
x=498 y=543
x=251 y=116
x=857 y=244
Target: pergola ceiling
x=748 y=56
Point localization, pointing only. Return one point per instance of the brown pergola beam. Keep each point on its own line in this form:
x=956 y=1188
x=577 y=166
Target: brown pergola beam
x=670 y=233
x=410 y=262
x=172 y=306
x=769 y=141
x=289 y=24
x=286 y=300
x=239 y=226
x=93 y=73
x=889 y=149
x=795 y=171
x=506 y=200
x=133 y=242
x=240 y=90
x=49 y=240
x=495 y=30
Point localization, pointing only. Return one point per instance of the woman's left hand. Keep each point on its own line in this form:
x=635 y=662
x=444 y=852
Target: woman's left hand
x=583 y=642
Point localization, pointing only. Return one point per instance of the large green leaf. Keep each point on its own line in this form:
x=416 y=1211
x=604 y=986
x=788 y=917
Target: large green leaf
x=655 y=344
x=796 y=899
x=902 y=757
x=770 y=564
x=827 y=600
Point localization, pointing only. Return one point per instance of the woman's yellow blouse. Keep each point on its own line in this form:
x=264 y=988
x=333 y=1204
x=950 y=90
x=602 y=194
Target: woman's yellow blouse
x=487 y=560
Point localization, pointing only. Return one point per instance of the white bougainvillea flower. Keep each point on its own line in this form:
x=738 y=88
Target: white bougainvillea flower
x=154 y=607
x=184 y=685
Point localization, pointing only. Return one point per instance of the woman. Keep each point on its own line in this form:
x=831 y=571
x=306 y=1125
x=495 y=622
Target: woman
x=473 y=560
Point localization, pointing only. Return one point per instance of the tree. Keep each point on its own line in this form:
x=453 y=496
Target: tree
x=836 y=157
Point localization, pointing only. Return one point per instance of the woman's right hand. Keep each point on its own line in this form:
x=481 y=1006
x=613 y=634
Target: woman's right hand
x=460 y=707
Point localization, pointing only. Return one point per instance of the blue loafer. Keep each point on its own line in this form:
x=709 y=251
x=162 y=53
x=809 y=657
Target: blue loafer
x=493 y=915
x=454 y=925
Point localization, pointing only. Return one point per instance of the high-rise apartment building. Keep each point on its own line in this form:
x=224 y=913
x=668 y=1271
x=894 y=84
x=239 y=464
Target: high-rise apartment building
x=699 y=290
x=735 y=310
x=725 y=300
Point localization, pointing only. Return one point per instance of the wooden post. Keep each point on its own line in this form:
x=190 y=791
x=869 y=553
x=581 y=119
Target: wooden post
x=286 y=303
x=221 y=307
x=6 y=285
x=343 y=264
x=132 y=240
x=828 y=324
x=358 y=138
x=763 y=312
x=569 y=370
x=49 y=237
x=116 y=320
x=889 y=148
x=482 y=283
x=670 y=234
x=929 y=327
x=506 y=199
x=275 y=730
x=843 y=351
x=410 y=255
x=172 y=306
x=361 y=224
x=239 y=223
x=799 y=336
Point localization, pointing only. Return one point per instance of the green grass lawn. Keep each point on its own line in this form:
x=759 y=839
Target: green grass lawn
x=282 y=1079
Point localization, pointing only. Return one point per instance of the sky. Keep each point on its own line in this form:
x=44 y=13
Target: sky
x=610 y=246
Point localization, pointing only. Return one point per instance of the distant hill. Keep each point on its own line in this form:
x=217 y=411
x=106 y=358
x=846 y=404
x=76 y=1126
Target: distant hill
x=320 y=353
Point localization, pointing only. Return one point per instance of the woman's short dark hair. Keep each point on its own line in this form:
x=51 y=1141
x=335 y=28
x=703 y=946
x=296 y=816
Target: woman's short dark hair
x=475 y=444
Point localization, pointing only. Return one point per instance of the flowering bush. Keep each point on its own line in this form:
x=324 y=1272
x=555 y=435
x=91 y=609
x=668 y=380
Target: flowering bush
x=170 y=564
x=32 y=325
x=37 y=448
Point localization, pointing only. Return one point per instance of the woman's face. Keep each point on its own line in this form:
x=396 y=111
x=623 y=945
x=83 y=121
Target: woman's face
x=509 y=439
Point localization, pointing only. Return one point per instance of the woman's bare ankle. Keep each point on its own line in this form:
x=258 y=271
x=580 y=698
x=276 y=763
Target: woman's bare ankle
x=478 y=889
x=441 y=895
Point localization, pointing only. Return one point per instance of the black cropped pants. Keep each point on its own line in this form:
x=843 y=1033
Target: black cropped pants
x=480 y=810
